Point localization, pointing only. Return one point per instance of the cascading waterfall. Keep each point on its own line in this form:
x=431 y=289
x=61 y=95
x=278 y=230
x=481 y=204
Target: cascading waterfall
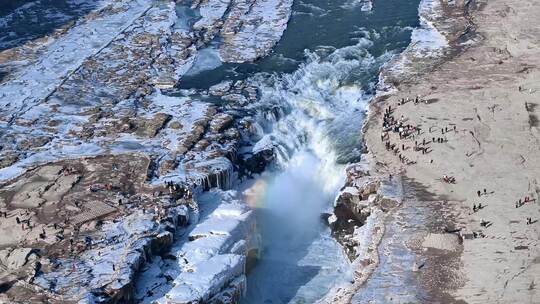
x=323 y=110
x=324 y=103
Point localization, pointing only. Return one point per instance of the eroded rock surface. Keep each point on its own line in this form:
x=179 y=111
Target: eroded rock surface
x=357 y=223
x=253 y=28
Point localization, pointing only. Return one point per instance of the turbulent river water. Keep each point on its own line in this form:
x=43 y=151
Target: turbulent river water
x=322 y=74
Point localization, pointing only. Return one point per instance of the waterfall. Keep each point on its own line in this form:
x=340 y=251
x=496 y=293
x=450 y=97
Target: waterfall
x=313 y=121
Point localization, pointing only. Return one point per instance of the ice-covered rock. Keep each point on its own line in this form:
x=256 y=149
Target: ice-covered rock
x=221 y=88
x=208 y=280
x=362 y=199
x=16 y=258
x=253 y=28
x=210 y=261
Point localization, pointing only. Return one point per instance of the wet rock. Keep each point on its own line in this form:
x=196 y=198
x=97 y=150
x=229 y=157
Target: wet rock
x=252 y=258
x=252 y=93
x=221 y=122
x=369 y=187
x=8 y=158
x=167 y=165
x=325 y=218
x=150 y=127
x=350 y=211
x=34 y=142
x=231 y=134
x=354 y=172
x=162 y=242
x=256 y=163
x=236 y=98
x=175 y=125
x=233 y=293
x=221 y=88
x=183 y=219
x=201 y=145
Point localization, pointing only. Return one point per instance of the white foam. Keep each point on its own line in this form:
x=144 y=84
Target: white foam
x=426 y=40
x=365 y=5
x=317 y=98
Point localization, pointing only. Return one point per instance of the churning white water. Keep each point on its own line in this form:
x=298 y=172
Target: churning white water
x=299 y=259
x=322 y=104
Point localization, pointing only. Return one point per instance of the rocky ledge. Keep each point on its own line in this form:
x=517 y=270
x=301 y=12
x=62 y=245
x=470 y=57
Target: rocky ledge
x=85 y=230
x=357 y=223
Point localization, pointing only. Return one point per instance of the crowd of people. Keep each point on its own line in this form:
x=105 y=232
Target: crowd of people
x=408 y=132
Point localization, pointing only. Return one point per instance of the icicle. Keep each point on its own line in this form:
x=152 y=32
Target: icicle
x=218 y=179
